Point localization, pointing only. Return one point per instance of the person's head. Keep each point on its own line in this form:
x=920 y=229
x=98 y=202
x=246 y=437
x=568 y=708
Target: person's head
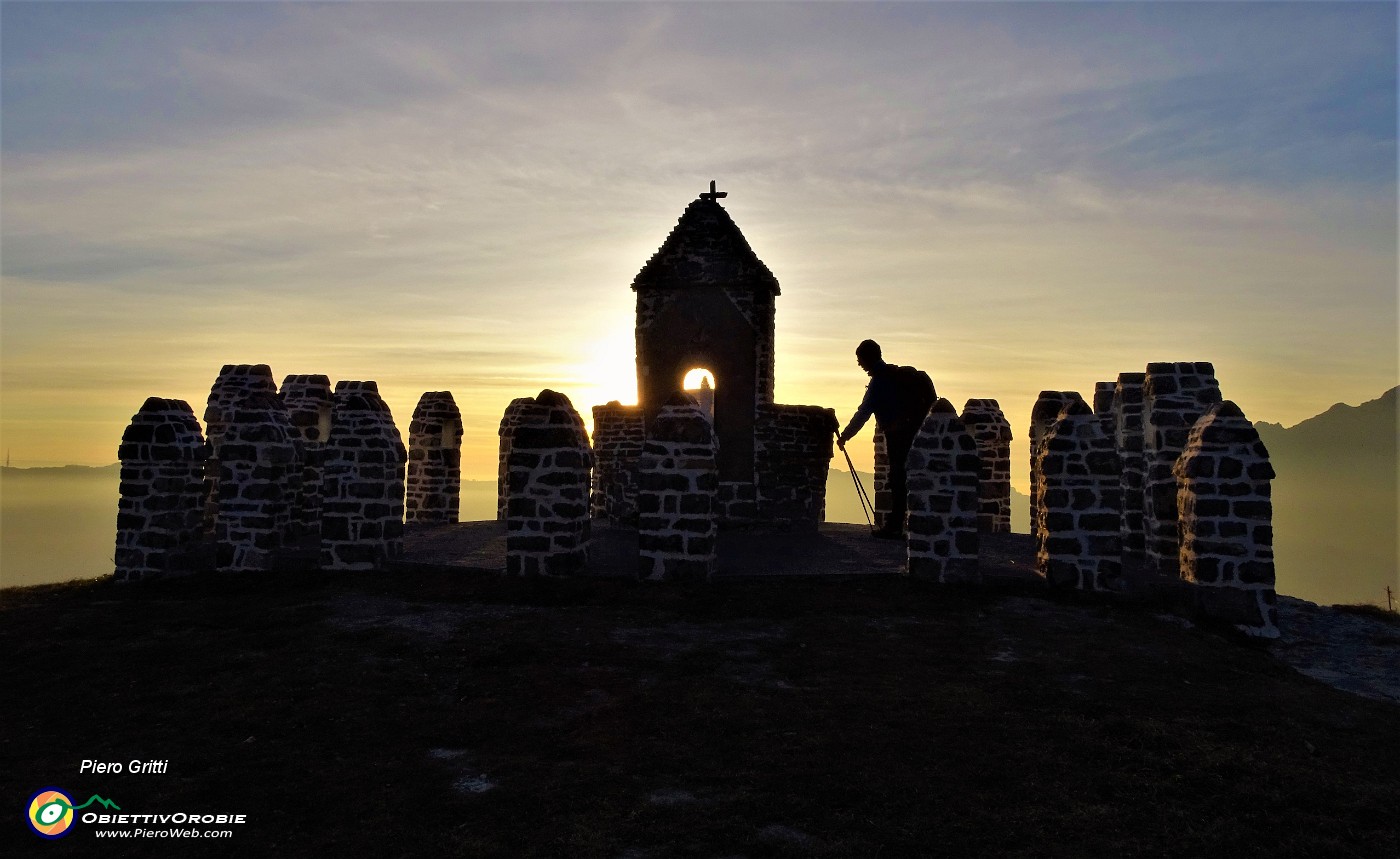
x=868 y=355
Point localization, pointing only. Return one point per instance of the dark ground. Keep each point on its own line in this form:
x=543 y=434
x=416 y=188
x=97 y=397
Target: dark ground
x=431 y=712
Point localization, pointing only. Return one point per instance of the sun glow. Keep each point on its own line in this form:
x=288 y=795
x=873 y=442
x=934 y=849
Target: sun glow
x=695 y=377
x=611 y=372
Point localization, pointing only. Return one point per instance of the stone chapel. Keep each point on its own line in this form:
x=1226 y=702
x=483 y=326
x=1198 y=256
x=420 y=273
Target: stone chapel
x=706 y=301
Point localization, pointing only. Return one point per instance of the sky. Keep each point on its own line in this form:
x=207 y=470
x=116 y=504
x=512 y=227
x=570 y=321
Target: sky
x=456 y=196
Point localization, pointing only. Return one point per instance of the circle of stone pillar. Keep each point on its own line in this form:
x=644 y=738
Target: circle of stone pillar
x=434 y=460
x=992 y=432
x=1226 y=518
x=363 y=484
x=160 y=509
x=1077 y=517
x=943 y=470
x=547 y=525
x=1174 y=396
x=678 y=476
x=259 y=474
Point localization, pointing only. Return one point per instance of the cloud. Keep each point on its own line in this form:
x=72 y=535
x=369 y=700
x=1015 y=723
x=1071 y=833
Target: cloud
x=428 y=192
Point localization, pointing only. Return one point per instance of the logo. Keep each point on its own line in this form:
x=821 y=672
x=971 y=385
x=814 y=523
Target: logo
x=51 y=812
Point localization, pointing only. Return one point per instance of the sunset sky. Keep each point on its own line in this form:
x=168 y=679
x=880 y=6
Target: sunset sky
x=457 y=196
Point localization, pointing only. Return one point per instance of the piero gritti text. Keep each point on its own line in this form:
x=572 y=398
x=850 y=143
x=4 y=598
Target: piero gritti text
x=135 y=766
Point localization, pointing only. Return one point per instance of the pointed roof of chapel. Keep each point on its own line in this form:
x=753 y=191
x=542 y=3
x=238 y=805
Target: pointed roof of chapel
x=705 y=249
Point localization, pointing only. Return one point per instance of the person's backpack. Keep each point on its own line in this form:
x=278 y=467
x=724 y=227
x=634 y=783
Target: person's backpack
x=916 y=395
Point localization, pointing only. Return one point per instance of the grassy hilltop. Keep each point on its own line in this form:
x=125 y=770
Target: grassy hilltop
x=458 y=715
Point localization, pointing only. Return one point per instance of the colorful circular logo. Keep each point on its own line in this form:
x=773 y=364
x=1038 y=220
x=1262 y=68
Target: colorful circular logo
x=51 y=813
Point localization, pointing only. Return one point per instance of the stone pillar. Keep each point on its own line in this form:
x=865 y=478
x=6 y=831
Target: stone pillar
x=362 y=518
x=259 y=476
x=547 y=525
x=618 y=435
x=1127 y=438
x=1174 y=396
x=309 y=402
x=1103 y=397
x=161 y=508
x=434 y=483
x=1043 y=416
x=677 y=522
x=943 y=505
x=509 y=421
x=235 y=382
x=880 y=497
x=1103 y=405
x=1226 y=517
x=1078 y=544
x=992 y=432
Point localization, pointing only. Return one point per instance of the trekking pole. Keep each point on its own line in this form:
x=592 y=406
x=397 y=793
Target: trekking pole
x=866 y=506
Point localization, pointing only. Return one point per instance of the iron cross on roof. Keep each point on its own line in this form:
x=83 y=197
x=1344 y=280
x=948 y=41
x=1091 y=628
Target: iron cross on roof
x=714 y=195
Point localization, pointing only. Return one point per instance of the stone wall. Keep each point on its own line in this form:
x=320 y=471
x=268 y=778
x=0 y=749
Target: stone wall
x=738 y=501
x=1127 y=438
x=792 y=445
x=619 y=432
x=434 y=479
x=309 y=402
x=793 y=453
x=160 y=510
x=260 y=473
x=758 y=309
x=1226 y=518
x=1174 y=396
x=509 y=421
x=362 y=520
x=547 y=470
x=679 y=481
x=992 y=432
x=1077 y=515
x=943 y=470
x=1044 y=413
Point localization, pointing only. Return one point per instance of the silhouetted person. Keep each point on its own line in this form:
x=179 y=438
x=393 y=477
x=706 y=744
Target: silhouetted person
x=899 y=398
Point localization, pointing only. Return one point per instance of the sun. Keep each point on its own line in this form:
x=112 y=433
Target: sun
x=694 y=377
x=611 y=371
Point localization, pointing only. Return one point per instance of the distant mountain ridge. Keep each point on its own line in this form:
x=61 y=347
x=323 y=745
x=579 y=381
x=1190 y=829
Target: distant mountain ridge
x=1335 y=501
x=1369 y=427
x=61 y=470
